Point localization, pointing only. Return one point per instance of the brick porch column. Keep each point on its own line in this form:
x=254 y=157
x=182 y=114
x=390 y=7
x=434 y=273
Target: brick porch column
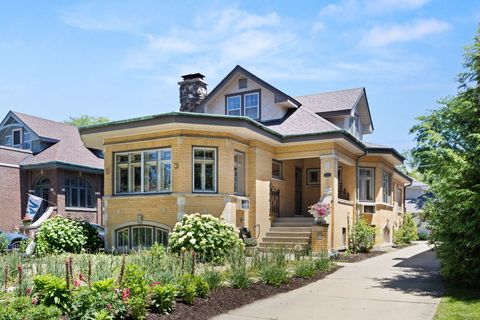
x=329 y=187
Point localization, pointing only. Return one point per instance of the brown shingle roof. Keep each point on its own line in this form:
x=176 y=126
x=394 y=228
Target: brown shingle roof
x=68 y=148
x=303 y=121
x=331 y=101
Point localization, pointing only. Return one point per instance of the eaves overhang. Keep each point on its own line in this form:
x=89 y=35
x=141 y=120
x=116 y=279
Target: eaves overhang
x=61 y=165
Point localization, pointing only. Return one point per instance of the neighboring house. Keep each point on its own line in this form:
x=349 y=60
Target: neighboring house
x=253 y=155
x=47 y=159
x=415 y=196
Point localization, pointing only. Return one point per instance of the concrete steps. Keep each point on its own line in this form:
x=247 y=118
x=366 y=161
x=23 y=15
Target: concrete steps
x=289 y=233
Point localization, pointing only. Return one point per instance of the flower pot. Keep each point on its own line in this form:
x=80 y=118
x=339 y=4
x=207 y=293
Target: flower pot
x=319 y=220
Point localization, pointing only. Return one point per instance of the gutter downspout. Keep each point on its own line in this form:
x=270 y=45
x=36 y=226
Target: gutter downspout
x=404 y=195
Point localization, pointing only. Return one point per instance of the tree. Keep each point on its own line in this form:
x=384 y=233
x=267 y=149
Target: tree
x=85 y=120
x=448 y=154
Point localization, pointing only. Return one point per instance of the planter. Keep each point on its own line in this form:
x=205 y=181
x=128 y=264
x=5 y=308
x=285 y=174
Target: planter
x=26 y=224
x=319 y=221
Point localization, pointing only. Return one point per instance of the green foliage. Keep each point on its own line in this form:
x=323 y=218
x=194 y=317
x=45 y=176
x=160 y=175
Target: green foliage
x=362 y=237
x=323 y=263
x=448 y=153
x=407 y=231
x=163 y=298
x=423 y=236
x=305 y=268
x=59 y=235
x=212 y=277
x=250 y=242
x=211 y=238
x=93 y=241
x=21 y=308
x=187 y=288
x=202 y=287
x=135 y=291
x=101 y=301
x=85 y=120
x=51 y=291
x=3 y=243
x=273 y=274
x=238 y=275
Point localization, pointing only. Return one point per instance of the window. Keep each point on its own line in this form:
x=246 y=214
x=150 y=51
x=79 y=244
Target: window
x=367 y=184
x=17 y=138
x=8 y=141
x=344 y=236
x=204 y=169
x=143 y=171
x=252 y=105
x=140 y=236
x=386 y=186
x=313 y=176
x=399 y=197
x=277 y=169
x=234 y=106
x=239 y=173
x=79 y=193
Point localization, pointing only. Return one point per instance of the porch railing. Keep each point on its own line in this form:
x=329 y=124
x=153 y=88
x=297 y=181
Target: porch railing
x=274 y=201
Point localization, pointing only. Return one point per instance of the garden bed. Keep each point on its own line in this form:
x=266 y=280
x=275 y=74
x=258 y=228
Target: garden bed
x=357 y=257
x=226 y=299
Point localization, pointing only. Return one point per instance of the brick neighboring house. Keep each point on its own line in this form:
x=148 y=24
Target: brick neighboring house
x=48 y=159
x=255 y=156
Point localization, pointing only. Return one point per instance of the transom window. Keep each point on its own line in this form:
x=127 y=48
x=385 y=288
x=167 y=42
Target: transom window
x=143 y=171
x=366 y=184
x=204 y=169
x=386 y=186
x=234 y=105
x=239 y=173
x=79 y=193
x=140 y=236
x=252 y=105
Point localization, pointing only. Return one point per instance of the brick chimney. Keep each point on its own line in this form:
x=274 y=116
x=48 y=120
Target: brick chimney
x=192 y=91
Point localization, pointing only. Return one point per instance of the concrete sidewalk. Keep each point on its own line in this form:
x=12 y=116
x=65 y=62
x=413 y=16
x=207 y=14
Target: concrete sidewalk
x=404 y=284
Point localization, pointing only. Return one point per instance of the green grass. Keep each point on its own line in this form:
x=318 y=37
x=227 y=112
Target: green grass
x=459 y=303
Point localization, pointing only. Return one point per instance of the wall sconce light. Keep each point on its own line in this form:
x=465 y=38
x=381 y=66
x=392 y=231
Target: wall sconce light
x=175 y=165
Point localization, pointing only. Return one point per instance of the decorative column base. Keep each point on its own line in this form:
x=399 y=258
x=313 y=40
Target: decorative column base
x=319 y=238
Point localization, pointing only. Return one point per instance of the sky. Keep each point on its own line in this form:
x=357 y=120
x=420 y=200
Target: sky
x=123 y=59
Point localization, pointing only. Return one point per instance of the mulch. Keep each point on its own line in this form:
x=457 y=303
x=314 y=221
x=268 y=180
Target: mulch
x=356 y=257
x=225 y=299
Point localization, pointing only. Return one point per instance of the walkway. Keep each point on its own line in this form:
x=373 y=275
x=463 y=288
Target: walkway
x=403 y=285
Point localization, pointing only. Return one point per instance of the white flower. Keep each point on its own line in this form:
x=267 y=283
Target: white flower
x=192 y=241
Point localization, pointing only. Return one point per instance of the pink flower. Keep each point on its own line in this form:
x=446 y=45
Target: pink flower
x=125 y=294
x=35 y=301
x=28 y=291
x=81 y=277
x=20 y=268
x=153 y=284
x=109 y=306
x=77 y=283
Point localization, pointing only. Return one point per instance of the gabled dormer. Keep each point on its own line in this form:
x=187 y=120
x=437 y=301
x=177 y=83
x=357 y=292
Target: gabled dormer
x=15 y=134
x=241 y=93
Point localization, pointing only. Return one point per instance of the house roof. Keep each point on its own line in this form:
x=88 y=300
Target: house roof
x=67 y=147
x=248 y=74
x=342 y=100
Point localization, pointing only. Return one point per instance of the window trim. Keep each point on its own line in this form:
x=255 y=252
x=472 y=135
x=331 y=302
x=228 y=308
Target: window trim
x=359 y=185
x=242 y=193
x=257 y=106
x=11 y=140
x=239 y=108
x=129 y=228
x=142 y=166
x=20 y=145
x=309 y=182
x=68 y=191
x=215 y=171
x=280 y=163
x=389 y=194
x=242 y=102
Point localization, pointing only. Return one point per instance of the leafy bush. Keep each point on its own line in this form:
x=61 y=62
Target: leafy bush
x=323 y=264
x=250 y=242
x=211 y=238
x=59 y=235
x=407 y=231
x=187 y=288
x=93 y=241
x=238 y=275
x=423 y=236
x=3 y=243
x=51 y=291
x=163 y=298
x=135 y=291
x=212 y=277
x=362 y=237
x=305 y=268
x=23 y=308
x=274 y=274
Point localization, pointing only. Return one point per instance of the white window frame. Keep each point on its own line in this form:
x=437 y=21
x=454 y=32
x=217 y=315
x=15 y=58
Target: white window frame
x=387 y=192
x=130 y=168
x=129 y=232
x=152 y=230
x=239 y=106
x=362 y=190
x=251 y=107
x=203 y=171
x=13 y=138
x=8 y=140
x=239 y=184
x=280 y=164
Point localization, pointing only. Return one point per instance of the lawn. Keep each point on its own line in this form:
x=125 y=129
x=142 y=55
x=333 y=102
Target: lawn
x=459 y=303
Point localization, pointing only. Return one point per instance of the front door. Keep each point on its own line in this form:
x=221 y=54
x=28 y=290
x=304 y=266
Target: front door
x=298 y=191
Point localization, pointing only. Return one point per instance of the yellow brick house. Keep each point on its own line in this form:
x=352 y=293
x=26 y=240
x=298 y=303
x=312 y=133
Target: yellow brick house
x=253 y=155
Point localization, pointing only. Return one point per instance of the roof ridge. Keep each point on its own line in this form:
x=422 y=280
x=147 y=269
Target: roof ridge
x=325 y=92
x=321 y=118
x=43 y=119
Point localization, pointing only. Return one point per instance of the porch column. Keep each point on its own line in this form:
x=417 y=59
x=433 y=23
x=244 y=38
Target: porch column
x=329 y=187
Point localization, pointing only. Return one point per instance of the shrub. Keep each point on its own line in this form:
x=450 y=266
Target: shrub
x=213 y=278
x=51 y=291
x=274 y=274
x=211 y=238
x=163 y=298
x=238 y=275
x=305 y=268
x=423 y=236
x=93 y=241
x=407 y=231
x=22 y=308
x=187 y=288
x=323 y=264
x=3 y=243
x=362 y=237
x=135 y=291
x=250 y=242
x=59 y=235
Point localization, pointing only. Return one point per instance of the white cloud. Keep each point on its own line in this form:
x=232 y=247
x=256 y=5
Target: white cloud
x=318 y=26
x=381 y=6
x=87 y=19
x=382 y=36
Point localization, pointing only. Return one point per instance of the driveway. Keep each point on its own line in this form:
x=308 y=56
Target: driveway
x=404 y=284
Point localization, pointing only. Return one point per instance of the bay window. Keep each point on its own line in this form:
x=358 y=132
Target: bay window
x=143 y=171
x=386 y=187
x=239 y=173
x=204 y=169
x=366 y=184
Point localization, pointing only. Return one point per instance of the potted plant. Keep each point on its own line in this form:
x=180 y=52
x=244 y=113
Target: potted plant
x=320 y=210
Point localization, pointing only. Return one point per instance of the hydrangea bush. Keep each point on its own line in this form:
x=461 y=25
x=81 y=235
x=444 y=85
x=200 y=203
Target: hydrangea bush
x=211 y=238
x=59 y=235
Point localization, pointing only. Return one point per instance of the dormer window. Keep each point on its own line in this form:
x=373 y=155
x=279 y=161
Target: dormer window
x=252 y=105
x=234 y=105
x=17 y=138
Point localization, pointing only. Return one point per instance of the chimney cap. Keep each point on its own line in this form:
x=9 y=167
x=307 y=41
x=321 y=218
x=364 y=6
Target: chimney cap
x=192 y=76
